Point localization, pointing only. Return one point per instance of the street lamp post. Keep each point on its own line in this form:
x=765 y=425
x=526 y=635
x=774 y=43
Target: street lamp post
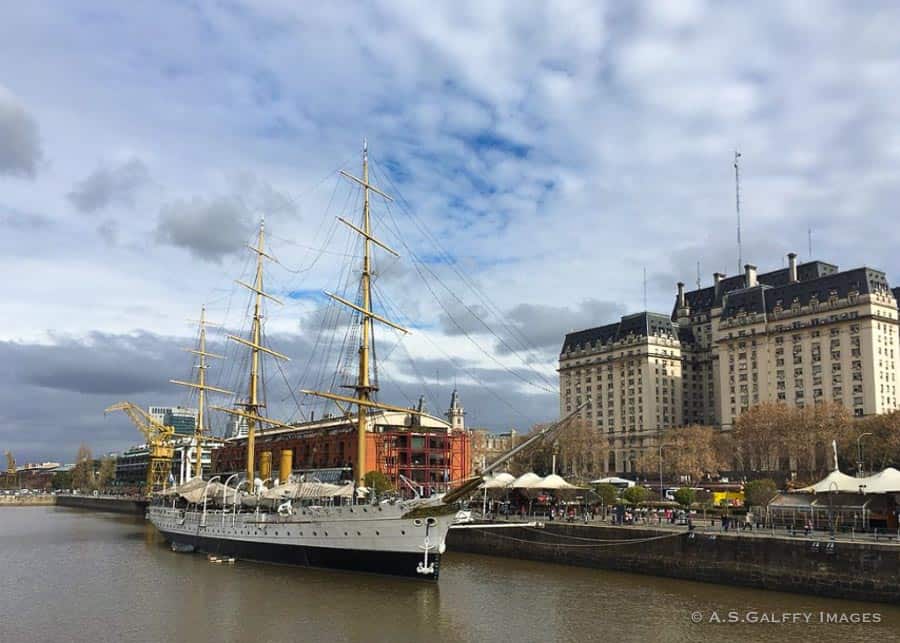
x=660 y=446
x=832 y=489
x=859 y=458
x=660 y=472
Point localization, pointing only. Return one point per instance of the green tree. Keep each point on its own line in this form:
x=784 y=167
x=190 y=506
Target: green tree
x=685 y=496
x=83 y=473
x=607 y=492
x=378 y=481
x=107 y=472
x=764 y=434
x=691 y=451
x=636 y=494
x=879 y=450
x=758 y=493
x=62 y=480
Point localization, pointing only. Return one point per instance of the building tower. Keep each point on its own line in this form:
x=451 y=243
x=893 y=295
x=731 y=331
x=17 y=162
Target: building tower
x=456 y=413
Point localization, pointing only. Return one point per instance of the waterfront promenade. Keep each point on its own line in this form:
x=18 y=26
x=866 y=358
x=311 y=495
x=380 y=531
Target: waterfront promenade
x=708 y=526
x=136 y=505
x=39 y=500
x=848 y=566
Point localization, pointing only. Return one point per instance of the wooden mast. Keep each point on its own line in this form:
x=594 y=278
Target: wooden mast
x=202 y=387
x=252 y=405
x=363 y=386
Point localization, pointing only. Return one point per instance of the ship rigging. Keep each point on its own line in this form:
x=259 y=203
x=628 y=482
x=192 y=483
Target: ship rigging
x=301 y=519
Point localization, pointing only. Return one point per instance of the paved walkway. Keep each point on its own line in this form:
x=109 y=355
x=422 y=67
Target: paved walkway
x=702 y=526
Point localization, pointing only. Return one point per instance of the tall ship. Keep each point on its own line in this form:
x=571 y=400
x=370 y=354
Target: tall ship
x=292 y=517
x=303 y=520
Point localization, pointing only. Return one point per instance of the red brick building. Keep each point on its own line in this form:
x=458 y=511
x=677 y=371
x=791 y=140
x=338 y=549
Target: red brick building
x=429 y=451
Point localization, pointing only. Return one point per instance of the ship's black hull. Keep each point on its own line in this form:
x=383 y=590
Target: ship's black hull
x=376 y=562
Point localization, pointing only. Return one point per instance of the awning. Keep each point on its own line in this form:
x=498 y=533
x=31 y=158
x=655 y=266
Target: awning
x=553 y=482
x=887 y=481
x=499 y=481
x=526 y=480
x=613 y=480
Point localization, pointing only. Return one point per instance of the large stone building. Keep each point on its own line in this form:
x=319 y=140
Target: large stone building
x=631 y=371
x=182 y=419
x=131 y=465
x=487 y=446
x=799 y=335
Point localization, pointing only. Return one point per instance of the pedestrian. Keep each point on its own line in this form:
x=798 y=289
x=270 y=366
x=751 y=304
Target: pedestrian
x=748 y=521
x=807 y=528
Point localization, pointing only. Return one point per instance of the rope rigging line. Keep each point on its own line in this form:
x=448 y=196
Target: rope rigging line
x=417 y=263
x=450 y=261
x=468 y=336
x=395 y=313
x=591 y=540
x=237 y=358
x=226 y=377
x=330 y=319
x=601 y=545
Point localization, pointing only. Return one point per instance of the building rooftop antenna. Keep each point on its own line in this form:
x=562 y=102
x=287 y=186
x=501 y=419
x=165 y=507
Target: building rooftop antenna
x=645 y=287
x=737 y=205
x=698 y=275
x=809 y=241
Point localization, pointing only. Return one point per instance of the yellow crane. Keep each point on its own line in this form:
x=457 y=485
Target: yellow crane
x=159 y=443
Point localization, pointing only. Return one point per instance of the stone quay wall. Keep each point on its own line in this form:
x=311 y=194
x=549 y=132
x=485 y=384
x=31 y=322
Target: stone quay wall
x=867 y=571
x=114 y=504
x=27 y=501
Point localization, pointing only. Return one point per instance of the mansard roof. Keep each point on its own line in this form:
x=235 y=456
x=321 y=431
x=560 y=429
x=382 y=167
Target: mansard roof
x=703 y=300
x=765 y=298
x=643 y=324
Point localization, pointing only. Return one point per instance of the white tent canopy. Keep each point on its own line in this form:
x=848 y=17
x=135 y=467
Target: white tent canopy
x=499 y=481
x=613 y=480
x=196 y=491
x=553 y=482
x=526 y=480
x=887 y=481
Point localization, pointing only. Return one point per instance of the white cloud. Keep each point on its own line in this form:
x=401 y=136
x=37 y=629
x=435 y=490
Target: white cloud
x=20 y=145
x=553 y=152
x=107 y=185
x=208 y=229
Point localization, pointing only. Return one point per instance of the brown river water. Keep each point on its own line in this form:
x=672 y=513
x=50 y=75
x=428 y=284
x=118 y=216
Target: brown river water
x=70 y=575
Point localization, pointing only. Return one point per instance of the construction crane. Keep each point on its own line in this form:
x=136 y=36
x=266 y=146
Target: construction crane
x=159 y=443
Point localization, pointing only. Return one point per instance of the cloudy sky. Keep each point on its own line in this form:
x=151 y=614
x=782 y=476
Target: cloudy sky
x=540 y=160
